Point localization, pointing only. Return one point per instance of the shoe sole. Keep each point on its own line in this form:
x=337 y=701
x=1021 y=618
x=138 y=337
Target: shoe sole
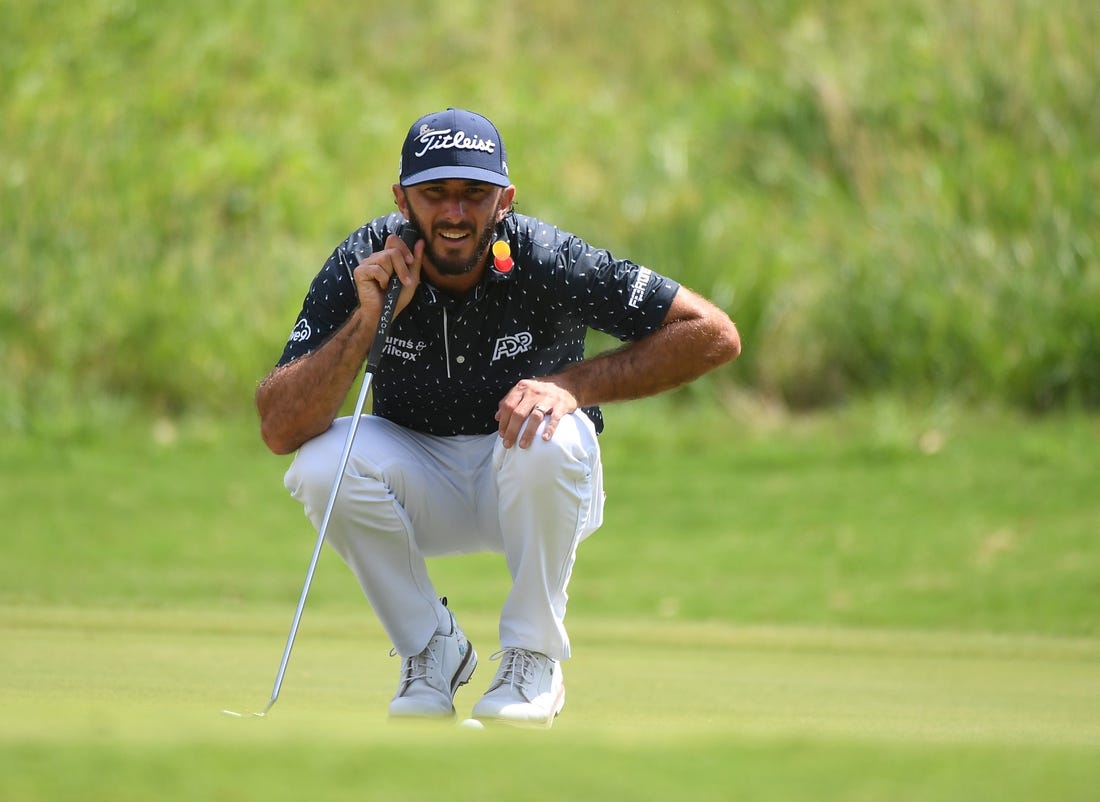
x=528 y=724
x=465 y=671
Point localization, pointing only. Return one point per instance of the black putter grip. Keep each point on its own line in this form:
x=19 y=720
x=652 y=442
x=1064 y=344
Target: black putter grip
x=409 y=235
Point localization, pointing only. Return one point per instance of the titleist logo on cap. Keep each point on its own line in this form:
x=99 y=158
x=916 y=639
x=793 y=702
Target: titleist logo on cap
x=442 y=139
x=453 y=144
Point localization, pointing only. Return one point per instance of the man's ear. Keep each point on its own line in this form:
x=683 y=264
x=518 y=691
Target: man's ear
x=401 y=200
x=507 y=198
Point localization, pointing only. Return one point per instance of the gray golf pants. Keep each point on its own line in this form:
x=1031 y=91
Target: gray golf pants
x=407 y=496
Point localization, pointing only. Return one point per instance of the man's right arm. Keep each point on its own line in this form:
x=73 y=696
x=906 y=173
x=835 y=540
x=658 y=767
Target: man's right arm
x=299 y=400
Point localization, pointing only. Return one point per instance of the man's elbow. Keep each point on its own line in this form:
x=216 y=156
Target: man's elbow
x=276 y=439
x=724 y=342
x=731 y=343
x=285 y=435
x=716 y=334
x=280 y=438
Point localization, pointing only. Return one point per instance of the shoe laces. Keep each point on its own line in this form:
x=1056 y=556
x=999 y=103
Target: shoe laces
x=518 y=667
x=419 y=666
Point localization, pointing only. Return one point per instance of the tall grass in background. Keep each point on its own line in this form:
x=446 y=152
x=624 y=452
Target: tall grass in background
x=887 y=196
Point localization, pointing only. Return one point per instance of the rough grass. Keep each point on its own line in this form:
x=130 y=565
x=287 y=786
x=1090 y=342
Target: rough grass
x=885 y=195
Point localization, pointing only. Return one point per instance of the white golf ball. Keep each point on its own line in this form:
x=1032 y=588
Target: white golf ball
x=472 y=724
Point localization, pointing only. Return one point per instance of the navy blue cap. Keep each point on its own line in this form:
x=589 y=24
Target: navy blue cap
x=453 y=144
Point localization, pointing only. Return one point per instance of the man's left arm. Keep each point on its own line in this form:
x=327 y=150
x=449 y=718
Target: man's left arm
x=695 y=337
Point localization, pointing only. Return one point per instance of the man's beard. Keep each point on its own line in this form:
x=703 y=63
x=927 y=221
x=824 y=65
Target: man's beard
x=455 y=267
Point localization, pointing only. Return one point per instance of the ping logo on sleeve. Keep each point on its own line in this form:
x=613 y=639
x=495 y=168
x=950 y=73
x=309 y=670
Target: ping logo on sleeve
x=301 y=332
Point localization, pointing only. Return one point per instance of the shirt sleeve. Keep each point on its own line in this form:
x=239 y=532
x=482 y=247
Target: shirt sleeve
x=616 y=296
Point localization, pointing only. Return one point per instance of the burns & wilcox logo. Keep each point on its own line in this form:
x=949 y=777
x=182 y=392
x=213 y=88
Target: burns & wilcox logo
x=405 y=350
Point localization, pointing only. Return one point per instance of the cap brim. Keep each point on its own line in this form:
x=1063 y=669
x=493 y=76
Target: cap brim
x=454 y=171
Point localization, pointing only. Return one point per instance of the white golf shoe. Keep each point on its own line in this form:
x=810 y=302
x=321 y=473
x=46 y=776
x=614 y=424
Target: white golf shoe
x=429 y=679
x=528 y=690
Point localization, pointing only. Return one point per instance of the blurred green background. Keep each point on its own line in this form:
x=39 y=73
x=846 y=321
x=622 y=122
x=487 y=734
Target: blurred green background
x=892 y=197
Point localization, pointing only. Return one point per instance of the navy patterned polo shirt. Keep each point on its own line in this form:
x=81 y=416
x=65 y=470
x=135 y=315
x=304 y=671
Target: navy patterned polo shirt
x=448 y=362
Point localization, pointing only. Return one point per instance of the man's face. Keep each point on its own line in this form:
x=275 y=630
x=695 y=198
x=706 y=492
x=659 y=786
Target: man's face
x=456 y=218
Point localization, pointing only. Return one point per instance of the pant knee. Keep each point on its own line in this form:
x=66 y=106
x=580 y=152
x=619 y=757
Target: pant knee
x=312 y=474
x=572 y=449
x=313 y=468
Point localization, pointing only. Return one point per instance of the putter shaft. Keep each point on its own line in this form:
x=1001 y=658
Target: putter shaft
x=374 y=357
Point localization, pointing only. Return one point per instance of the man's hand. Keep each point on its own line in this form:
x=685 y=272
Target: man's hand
x=372 y=276
x=532 y=401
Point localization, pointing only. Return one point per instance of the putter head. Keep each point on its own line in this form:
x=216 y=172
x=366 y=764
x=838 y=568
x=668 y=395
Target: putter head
x=233 y=714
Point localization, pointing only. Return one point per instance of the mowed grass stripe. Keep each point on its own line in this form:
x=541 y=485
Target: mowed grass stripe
x=116 y=676
x=478 y=766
